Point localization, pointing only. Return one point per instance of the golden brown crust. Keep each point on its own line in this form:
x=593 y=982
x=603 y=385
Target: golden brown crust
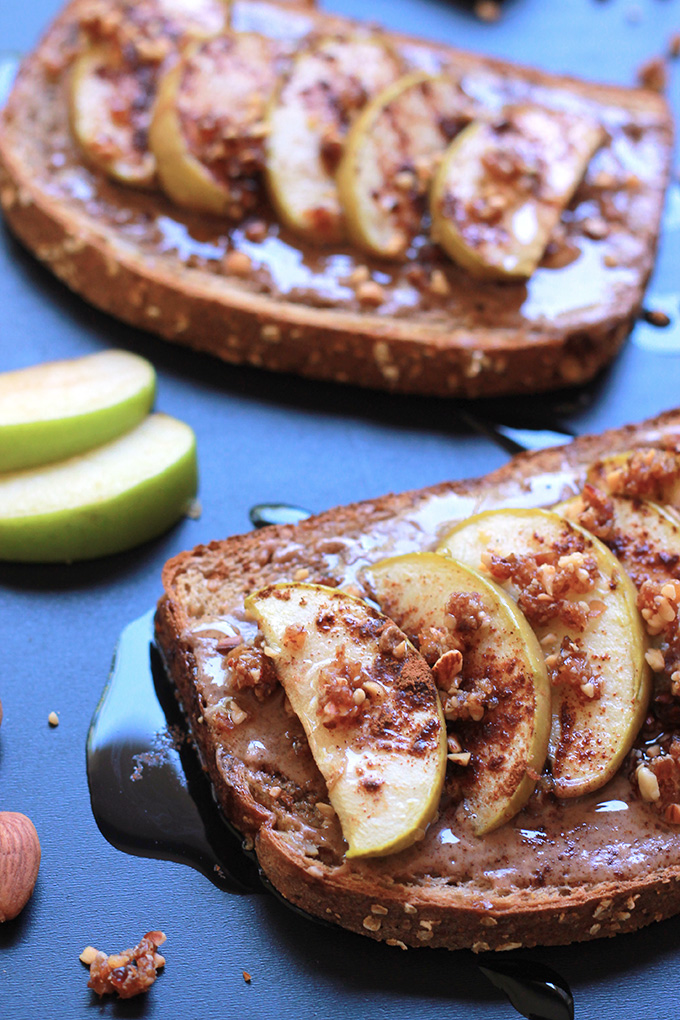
x=215 y=313
x=210 y=581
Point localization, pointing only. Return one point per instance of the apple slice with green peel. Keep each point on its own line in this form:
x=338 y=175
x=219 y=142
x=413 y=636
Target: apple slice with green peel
x=369 y=706
x=102 y=83
x=501 y=188
x=308 y=121
x=113 y=83
x=208 y=126
x=646 y=473
x=390 y=158
x=52 y=411
x=103 y=501
x=583 y=608
x=427 y=594
x=644 y=536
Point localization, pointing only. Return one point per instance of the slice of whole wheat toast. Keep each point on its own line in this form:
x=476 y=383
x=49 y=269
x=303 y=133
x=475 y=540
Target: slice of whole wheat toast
x=560 y=871
x=137 y=256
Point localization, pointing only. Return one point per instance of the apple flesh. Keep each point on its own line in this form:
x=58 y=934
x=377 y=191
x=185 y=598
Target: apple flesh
x=101 y=502
x=102 y=82
x=509 y=743
x=369 y=706
x=501 y=188
x=389 y=160
x=52 y=411
x=226 y=83
x=644 y=536
x=308 y=122
x=591 y=633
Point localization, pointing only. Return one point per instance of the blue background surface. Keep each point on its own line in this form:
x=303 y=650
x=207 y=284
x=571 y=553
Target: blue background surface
x=262 y=438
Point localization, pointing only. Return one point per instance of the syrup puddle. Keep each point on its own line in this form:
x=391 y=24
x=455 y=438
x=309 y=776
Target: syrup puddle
x=150 y=798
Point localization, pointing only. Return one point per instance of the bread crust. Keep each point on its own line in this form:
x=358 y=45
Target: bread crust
x=296 y=853
x=77 y=229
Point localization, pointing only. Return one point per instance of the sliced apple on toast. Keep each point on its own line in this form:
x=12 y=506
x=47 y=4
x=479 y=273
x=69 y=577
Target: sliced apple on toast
x=502 y=186
x=646 y=473
x=54 y=410
x=114 y=79
x=208 y=128
x=644 y=536
x=490 y=669
x=390 y=158
x=323 y=92
x=582 y=606
x=110 y=111
x=103 y=501
x=369 y=706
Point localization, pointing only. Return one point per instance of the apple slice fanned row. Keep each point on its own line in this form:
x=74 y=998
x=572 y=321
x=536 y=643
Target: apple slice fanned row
x=502 y=187
x=208 y=128
x=490 y=670
x=369 y=707
x=326 y=87
x=114 y=80
x=390 y=158
x=583 y=608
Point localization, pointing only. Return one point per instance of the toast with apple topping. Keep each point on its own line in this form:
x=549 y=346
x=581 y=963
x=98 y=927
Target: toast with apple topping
x=228 y=176
x=530 y=841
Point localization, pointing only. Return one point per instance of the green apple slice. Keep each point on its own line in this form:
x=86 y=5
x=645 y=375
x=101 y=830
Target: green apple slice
x=103 y=83
x=647 y=473
x=52 y=411
x=509 y=743
x=390 y=157
x=583 y=608
x=501 y=188
x=103 y=501
x=114 y=80
x=369 y=706
x=644 y=536
x=208 y=127
x=308 y=121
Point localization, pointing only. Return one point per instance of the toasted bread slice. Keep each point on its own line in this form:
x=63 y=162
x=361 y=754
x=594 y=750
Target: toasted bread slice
x=251 y=293
x=559 y=871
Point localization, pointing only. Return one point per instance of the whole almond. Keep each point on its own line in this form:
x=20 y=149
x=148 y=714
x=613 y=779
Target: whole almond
x=19 y=862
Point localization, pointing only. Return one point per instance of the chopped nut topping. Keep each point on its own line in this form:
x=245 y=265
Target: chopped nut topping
x=237 y=263
x=370 y=293
x=647 y=783
x=128 y=973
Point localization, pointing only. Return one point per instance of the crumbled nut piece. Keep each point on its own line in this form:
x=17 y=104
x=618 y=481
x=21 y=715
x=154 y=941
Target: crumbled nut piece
x=656 y=318
x=377 y=908
x=53 y=719
x=237 y=263
x=370 y=293
x=655 y=660
x=130 y=972
x=488 y=10
x=652 y=74
x=246 y=977
x=87 y=956
x=439 y=284
x=647 y=784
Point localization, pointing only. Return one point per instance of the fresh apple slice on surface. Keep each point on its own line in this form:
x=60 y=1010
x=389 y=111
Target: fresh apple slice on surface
x=103 y=501
x=502 y=187
x=51 y=411
x=645 y=473
x=369 y=706
x=308 y=121
x=582 y=606
x=390 y=158
x=208 y=128
x=499 y=701
x=114 y=80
